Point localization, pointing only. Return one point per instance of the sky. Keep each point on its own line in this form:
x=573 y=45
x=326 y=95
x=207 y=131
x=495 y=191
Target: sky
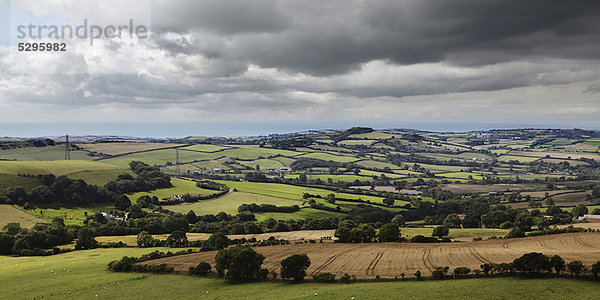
x=223 y=67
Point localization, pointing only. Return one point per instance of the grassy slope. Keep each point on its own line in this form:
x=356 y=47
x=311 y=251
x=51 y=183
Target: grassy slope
x=43 y=153
x=290 y=191
x=10 y=214
x=10 y=180
x=230 y=203
x=28 y=277
x=72 y=215
x=180 y=187
x=63 y=167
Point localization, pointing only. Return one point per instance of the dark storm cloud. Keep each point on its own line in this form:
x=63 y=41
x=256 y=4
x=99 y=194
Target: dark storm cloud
x=333 y=37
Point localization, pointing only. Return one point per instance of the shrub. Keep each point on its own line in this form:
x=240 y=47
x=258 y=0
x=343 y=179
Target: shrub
x=345 y=278
x=202 y=269
x=324 y=278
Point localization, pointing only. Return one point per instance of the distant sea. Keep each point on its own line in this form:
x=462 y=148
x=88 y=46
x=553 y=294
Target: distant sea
x=230 y=129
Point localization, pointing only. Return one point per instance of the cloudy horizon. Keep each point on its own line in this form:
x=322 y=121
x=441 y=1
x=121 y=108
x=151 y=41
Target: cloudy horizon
x=281 y=66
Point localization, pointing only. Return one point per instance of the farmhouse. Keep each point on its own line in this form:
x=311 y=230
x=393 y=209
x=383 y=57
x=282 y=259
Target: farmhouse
x=591 y=218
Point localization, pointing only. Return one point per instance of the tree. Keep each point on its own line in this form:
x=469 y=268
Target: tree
x=122 y=202
x=515 y=233
x=6 y=243
x=595 y=269
x=144 y=239
x=135 y=212
x=85 y=239
x=295 y=266
x=557 y=263
x=389 y=200
x=242 y=263
x=12 y=228
x=576 y=268
x=191 y=217
x=177 y=239
x=217 y=241
x=533 y=262
x=399 y=220
x=389 y=233
x=452 y=221
x=440 y=231
x=202 y=269
x=580 y=210
x=549 y=202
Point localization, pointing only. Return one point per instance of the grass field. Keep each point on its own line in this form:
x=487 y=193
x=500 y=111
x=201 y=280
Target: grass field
x=230 y=203
x=455 y=232
x=290 y=191
x=523 y=159
x=11 y=180
x=42 y=153
x=180 y=187
x=29 y=277
x=327 y=156
x=124 y=147
x=9 y=214
x=74 y=215
x=391 y=259
x=461 y=175
x=63 y=167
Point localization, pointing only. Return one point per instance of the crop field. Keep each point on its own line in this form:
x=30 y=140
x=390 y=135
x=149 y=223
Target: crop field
x=391 y=259
x=327 y=156
x=230 y=203
x=376 y=164
x=84 y=274
x=571 y=199
x=478 y=188
x=356 y=142
x=124 y=147
x=555 y=154
x=461 y=175
x=542 y=194
x=42 y=153
x=557 y=161
x=523 y=159
x=9 y=214
x=180 y=187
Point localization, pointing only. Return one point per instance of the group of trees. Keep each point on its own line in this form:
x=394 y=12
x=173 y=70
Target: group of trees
x=147 y=178
x=22 y=241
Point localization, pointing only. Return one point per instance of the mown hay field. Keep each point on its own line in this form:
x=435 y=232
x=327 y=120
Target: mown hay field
x=83 y=274
x=391 y=259
x=9 y=214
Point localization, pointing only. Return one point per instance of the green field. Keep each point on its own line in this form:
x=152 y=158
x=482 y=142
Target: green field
x=180 y=187
x=42 y=153
x=335 y=178
x=523 y=159
x=9 y=214
x=327 y=156
x=74 y=215
x=290 y=191
x=62 y=167
x=454 y=232
x=11 y=180
x=230 y=203
x=84 y=274
x=461 y=175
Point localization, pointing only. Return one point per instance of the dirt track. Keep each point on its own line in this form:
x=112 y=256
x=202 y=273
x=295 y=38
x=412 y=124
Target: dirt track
x=392 y=259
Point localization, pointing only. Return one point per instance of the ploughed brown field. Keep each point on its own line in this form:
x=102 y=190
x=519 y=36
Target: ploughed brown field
x=392 y=259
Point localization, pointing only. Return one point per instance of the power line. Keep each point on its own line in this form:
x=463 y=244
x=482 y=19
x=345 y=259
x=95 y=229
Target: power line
x=67 y=149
